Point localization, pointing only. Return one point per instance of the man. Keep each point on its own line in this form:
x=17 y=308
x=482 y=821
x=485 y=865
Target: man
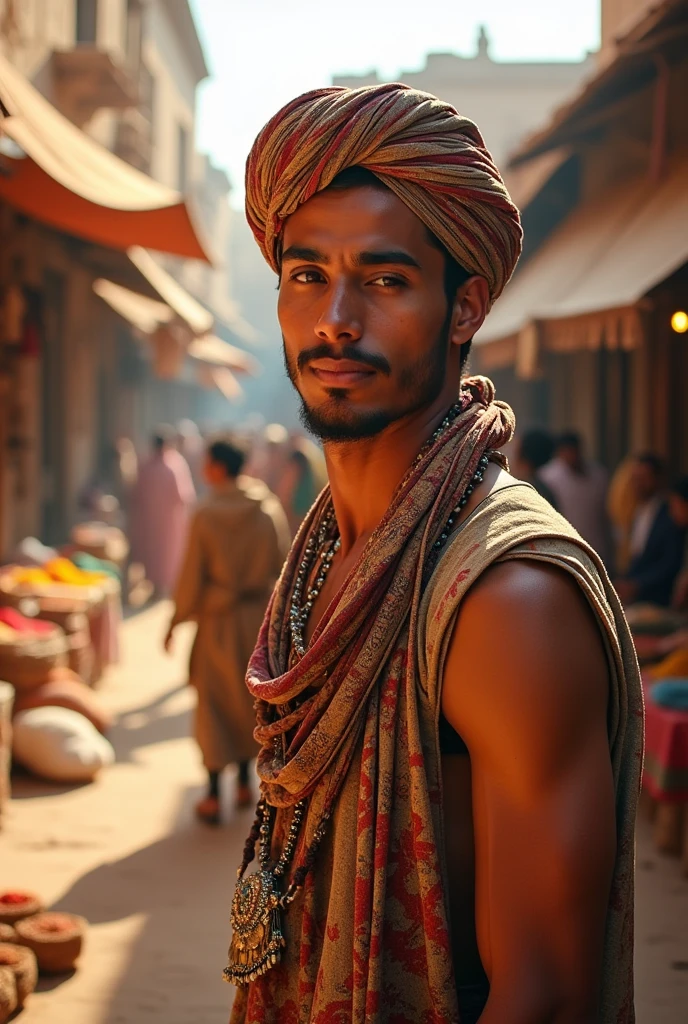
x=657 y=541
x=580 y=490
x=161 y=500
x=237 y=543
x=409 y=871
x=535 y=451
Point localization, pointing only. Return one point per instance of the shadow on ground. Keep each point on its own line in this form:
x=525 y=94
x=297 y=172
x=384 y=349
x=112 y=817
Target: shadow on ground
x=182 y=886
x=148 y=724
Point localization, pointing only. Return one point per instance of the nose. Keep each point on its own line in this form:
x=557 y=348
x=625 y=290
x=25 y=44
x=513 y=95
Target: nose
x=340 y=317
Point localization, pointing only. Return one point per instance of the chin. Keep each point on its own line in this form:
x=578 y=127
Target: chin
x=337 y=420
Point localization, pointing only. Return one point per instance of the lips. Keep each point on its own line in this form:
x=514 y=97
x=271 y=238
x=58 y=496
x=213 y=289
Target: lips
x=341 y=372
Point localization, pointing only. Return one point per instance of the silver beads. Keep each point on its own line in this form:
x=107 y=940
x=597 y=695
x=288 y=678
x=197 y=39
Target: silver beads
x=319 y=546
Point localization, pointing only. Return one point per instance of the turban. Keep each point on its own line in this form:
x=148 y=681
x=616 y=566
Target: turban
x=431 y=157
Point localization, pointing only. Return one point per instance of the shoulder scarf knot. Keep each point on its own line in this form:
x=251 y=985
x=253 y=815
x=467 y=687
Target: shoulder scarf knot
x=357 y=635
x=433 y=158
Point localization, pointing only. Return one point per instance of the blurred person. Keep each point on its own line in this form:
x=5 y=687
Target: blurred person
x=237 y=543
x=191 y=445
x=268 y=455
x=302 y=480
x=159 y=511
x=535 y=450
x=580 y=491
x=657 y=542
x=622 y=505
x=435 y=638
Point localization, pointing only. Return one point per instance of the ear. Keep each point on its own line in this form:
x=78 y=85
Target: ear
x=470 y=310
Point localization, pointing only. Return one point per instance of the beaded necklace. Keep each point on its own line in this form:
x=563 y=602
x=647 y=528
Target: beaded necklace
x=256 y=915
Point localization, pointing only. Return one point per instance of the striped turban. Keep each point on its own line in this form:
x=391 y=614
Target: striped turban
x=431 y=157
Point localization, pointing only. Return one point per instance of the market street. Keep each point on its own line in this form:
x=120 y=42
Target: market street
x=127 y=853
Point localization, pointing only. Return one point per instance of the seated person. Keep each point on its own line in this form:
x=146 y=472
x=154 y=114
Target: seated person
x=657 y=539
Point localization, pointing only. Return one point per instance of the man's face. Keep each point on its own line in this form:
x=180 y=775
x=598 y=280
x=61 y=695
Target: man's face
x=571 y=455
x=645 y=481
x=364 y=316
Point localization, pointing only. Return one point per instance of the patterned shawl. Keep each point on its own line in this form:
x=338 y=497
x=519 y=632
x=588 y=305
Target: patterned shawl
x=368 y=937
x=433 y=158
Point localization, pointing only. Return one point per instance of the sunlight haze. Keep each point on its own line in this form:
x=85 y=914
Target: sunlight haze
x=264 y=52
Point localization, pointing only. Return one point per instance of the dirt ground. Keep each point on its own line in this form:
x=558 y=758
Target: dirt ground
x=127 y=853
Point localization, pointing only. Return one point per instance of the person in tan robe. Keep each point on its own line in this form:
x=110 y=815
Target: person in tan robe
x=237 y=543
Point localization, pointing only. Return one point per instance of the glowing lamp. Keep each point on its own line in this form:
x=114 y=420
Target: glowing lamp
x=679 y=321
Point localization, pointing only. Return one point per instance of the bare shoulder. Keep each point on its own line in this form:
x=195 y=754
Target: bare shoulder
x=526 y=663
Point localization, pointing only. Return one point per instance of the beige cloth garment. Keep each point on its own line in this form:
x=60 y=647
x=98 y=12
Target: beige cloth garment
x=237 y=543
x=515 y=522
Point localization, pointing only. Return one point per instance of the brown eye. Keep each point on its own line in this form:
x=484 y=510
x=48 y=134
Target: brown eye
x=307 y=277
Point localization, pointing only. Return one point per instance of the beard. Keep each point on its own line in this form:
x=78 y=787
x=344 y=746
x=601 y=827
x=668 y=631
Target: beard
x=338 y=421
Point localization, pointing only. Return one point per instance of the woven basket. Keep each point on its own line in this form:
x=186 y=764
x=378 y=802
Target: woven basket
x=69 y=615
x=56 y=939
x=8 y=994
x=6 y=703
x=27 y=662
x=81 y=655
x=13 y=909
x=73 y=598
x=22 y=962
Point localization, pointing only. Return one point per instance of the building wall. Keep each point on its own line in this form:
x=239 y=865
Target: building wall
x=174 y=90
x=506 y=100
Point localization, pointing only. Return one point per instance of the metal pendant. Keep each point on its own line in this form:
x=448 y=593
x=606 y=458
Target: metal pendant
x=257 y=939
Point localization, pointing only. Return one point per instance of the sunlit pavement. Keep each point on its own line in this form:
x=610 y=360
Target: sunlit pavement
x=127 y=853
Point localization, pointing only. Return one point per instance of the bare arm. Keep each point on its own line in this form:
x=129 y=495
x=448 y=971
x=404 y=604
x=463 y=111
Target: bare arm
x=525 y=685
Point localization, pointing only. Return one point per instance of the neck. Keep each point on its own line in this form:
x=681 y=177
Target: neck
x=365 y=474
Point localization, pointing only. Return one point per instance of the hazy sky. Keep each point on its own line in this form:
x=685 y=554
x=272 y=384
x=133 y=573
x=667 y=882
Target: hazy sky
x=261 y=53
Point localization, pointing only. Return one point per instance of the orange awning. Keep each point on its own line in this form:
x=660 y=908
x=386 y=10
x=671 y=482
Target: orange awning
x=216 y=352
x=144 y=314
x=70 y=182
x=199 y=319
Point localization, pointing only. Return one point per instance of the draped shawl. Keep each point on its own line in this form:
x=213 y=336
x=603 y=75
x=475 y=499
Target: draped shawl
x=368 y=937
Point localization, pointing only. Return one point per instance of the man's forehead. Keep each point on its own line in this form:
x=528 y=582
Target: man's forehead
x=364 y=216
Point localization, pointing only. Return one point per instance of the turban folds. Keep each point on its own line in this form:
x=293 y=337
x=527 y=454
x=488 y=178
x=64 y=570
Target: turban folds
x=431 y=157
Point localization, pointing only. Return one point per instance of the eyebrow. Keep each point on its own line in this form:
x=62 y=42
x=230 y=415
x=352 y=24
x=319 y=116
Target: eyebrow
x=376 y=258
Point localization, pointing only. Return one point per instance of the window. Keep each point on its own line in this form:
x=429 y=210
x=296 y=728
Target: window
x=86 y=21
x=182 y=158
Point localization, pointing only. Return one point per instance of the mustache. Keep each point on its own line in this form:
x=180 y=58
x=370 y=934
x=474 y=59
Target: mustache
x=349 y=352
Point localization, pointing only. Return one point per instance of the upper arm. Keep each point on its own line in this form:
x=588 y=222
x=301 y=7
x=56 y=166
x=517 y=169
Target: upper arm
x=526 y=685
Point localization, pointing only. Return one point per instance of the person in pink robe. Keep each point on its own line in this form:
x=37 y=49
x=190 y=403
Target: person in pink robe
x=161 y=501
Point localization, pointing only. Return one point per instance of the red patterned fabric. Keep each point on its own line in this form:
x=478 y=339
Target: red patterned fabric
x=666 y=753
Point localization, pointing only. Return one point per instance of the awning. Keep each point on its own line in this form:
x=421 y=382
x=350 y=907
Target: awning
x=70 y=182
x=199 y=319
x=582 y=288
x=221 y=378
x=563 y=261
x=650 y=246
x=144 y=314
x=216 y=352
x=660 y=28
x=527 y=180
